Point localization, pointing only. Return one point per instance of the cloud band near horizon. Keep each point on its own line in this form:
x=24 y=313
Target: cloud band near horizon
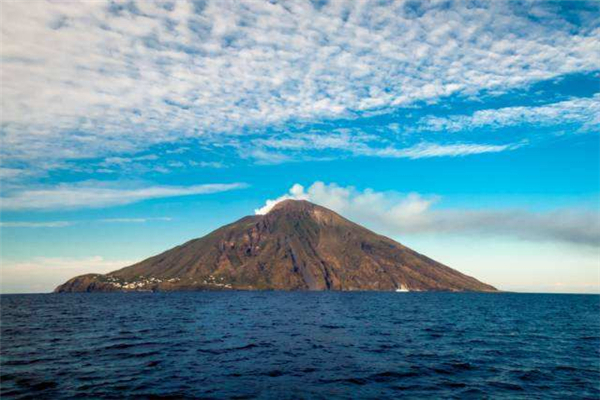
x=396 y=214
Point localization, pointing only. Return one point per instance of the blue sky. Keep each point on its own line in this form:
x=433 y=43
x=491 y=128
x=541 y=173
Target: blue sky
x=466 y=130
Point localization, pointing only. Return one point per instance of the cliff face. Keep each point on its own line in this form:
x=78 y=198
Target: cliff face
x=296 y=246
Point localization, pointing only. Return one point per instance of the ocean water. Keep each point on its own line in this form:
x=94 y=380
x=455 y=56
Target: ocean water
x=300 y=345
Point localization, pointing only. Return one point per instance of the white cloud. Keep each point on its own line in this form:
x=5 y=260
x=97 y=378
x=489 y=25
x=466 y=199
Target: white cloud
x=584 y=111
x=93 y=79
x=135 y=220
x=43 y=274
x=63 y=224
x=398 y=214
x=344 y=139
x=120 y=161
x=11 y=173
x=428 y=150
x=26 y=224
x=93 y=195
x=207 y=164
x=296 y=192
x=351 y=143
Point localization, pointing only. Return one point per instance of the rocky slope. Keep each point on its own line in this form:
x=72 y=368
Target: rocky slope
x=296 y=246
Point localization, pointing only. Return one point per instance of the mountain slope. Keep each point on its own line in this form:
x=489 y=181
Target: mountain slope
x=296 y=246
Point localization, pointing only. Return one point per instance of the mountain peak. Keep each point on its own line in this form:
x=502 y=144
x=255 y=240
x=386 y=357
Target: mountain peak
x=293 y=205
x=297 y=245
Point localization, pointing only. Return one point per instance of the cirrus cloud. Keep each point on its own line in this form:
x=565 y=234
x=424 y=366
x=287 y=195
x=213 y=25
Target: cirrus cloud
x=94 y=79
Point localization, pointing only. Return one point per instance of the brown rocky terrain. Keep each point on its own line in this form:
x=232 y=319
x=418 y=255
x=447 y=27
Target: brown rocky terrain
x=296 y=246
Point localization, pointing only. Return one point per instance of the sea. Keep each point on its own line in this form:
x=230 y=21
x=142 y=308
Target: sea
x=300 y=345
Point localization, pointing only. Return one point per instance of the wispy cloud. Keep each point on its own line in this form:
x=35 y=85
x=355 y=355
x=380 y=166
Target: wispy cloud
x=583 y=111
x=128 y=160
x=135 y=220
x=93 y=195
x=288 y=147
x=11 y=173
x=398 y=214
x=63 y=224
x=428 y=150
x=207 y=164
x=97 y=79
x=25 y=224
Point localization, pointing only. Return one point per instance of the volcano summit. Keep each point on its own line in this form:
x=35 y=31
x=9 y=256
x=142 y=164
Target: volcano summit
x=295 y=246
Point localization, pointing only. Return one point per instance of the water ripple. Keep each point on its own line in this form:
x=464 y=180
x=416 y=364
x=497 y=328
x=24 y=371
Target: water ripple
x=290 y=345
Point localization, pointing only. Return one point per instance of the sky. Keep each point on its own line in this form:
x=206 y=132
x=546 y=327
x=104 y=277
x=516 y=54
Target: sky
x=468 y=131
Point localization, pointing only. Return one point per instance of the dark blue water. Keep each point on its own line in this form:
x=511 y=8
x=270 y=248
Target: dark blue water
x=300 y=345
